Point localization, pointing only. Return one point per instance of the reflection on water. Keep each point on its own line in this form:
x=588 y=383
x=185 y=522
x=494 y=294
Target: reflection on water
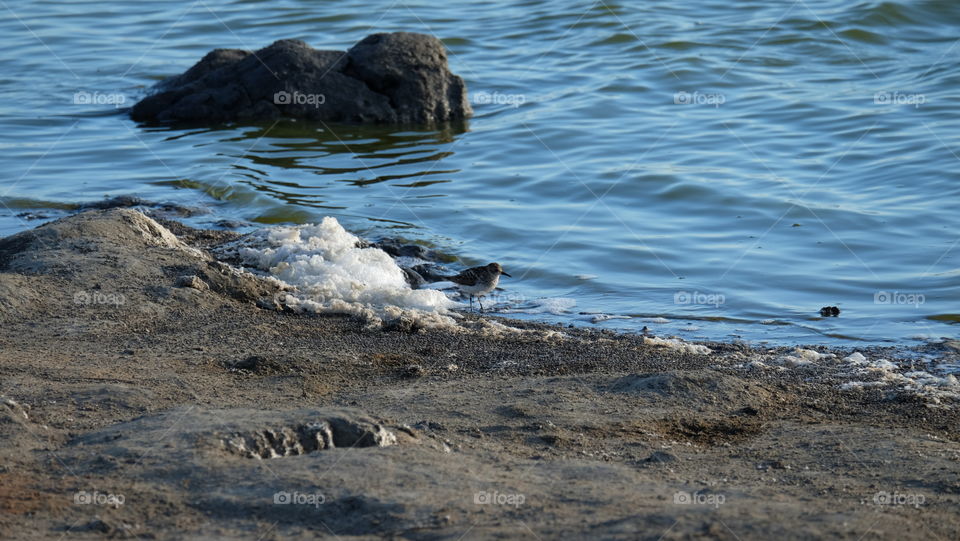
x=299 y=166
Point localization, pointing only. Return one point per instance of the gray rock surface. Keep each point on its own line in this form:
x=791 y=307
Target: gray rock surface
x=395 y=78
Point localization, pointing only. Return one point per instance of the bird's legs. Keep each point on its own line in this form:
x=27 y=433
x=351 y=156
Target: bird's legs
x=480 y=302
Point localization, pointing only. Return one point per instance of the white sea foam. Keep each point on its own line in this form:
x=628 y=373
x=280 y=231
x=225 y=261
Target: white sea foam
x=935 y=388
x=882 y=365
x=555 y=305
x=855 y=358
x=804 y=357
x=860 y=385
x=677 y=344
x=329 y=272
x=598 y=318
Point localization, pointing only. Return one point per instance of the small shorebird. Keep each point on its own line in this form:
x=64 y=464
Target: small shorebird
x=478 y=281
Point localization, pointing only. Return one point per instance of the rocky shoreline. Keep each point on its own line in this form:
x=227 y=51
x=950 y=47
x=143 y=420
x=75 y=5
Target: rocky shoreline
x=149 y=391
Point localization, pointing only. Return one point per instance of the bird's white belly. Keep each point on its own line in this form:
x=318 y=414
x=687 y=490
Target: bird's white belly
x=479 y=289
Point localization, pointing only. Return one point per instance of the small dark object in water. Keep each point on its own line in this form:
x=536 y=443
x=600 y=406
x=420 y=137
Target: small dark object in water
x=829 y=311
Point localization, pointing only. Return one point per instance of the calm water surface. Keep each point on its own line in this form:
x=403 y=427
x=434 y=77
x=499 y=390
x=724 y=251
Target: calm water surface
x=711 y=169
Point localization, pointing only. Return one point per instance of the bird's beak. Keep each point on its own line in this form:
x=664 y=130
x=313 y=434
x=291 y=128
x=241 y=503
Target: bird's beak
x=505 y=274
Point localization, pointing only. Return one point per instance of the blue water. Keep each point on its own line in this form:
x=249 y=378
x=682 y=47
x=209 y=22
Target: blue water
x=711 y=169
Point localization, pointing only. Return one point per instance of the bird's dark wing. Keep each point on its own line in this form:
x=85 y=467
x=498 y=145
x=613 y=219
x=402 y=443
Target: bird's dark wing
x=468 y=277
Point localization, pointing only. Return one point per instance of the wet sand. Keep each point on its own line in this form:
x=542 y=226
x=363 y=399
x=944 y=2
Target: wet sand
x=150 y=391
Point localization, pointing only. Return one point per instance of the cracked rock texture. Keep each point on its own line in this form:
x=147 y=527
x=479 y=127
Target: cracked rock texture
x=391 y=78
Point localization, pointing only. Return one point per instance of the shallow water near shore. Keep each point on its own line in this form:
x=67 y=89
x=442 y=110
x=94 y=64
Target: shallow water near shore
x=705 y=169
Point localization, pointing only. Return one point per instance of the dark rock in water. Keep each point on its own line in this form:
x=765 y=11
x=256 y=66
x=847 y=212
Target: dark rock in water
x=829 y=311
x=120 y=201
x=173 y=209
x=33 y=216
x=230 y=224
x=411 y=70
x=396 y=249
x=430 y=272
x=413 y=278
x=418 y=275
x=129 y=201
x=396 y=78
